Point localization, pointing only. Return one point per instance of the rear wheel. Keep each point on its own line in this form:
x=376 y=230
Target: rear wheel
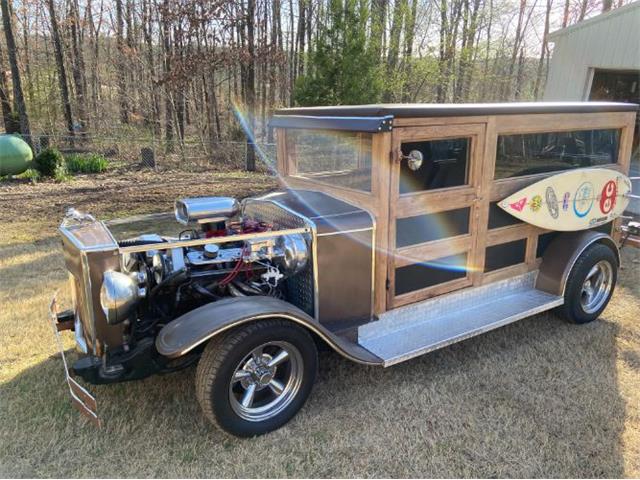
x=256 y=378
x=590 y=284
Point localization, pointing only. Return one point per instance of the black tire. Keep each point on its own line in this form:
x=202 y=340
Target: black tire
x=225 y=354
x=573 y=308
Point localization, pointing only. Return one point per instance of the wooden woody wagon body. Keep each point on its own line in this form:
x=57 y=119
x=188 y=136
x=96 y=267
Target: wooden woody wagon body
x=387 y=240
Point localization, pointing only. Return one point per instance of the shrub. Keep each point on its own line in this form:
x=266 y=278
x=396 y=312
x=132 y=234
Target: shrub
x=90 y=163
x=30 y=174
x=50 y=163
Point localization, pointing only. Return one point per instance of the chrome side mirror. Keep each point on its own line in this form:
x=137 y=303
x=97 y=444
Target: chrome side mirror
x=414 y=159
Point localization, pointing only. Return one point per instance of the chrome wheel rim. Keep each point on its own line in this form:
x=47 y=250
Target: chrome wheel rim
x=596 y=286
x=266 y=381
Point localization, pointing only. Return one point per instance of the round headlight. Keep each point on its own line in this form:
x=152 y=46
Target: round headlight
x=118 y=296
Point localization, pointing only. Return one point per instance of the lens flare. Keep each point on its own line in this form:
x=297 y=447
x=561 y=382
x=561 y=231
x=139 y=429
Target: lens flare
x=431 y=226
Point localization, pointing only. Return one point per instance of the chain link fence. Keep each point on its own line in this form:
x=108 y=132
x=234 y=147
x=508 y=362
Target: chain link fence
x=188 y=155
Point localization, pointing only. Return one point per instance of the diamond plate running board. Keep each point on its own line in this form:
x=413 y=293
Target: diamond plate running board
x=415 y=329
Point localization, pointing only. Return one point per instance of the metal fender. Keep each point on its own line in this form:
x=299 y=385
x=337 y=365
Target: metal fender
x=561 y=255
x=186 y=332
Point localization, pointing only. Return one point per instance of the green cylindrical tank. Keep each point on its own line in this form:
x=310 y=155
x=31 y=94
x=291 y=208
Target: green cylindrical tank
x=15 y=155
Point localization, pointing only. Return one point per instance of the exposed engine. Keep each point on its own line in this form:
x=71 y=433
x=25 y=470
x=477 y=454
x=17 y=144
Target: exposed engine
x=157 y=284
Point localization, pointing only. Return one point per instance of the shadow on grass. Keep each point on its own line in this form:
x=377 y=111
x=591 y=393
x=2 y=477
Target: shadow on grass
x=535 y=399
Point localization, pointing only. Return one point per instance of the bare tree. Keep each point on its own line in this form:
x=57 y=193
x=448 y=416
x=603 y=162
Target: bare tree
x=18 y=95
x=250 y=82
x=77 y=65
x=544 y=50
x=121 y=64
x=5 y=101
x=172 y=70
x=60 y=66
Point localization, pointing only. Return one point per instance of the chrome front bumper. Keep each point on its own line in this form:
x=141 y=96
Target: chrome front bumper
x=80 y=396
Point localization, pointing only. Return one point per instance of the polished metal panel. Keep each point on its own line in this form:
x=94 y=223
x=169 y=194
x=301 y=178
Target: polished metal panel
x=89 y=250
x=562 y=254
x=268 y=209
x=342 y=251
x=344 y=278
x=407 y=332
x=118 y=296
x=205 y=209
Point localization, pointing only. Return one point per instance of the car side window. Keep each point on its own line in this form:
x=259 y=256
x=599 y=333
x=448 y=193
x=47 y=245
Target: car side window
x=531 y=153
x=445 y=163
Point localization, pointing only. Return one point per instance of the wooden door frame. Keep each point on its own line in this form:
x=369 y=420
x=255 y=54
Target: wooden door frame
x=434 y=201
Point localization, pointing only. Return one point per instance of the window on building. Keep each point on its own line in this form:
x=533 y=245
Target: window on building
x=611 y=85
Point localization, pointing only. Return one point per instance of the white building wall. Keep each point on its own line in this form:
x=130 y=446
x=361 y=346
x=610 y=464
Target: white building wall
x=608 y=41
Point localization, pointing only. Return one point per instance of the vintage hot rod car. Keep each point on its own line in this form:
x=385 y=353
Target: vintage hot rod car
x=387 y=240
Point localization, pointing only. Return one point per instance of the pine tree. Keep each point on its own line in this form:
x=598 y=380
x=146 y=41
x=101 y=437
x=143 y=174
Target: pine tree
x=341 y=69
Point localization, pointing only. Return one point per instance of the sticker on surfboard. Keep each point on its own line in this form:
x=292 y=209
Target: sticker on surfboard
x=573 y=200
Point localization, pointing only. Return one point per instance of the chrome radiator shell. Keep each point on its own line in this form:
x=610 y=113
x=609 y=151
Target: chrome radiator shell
x=89 y=250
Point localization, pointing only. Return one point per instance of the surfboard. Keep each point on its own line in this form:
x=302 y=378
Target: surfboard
x=574 y=200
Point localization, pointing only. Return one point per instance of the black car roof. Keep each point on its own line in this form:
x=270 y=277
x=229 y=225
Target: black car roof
x=400 y=110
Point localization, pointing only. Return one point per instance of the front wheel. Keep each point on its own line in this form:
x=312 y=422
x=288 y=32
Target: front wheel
x=256 y=378
x=590 y=284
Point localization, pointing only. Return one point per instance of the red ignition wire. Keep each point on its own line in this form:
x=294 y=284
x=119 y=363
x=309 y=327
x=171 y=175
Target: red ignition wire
x=236 y=269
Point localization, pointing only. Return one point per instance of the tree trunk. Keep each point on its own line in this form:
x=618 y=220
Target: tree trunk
x=409 y=34
x=121 y=65
x=26 y=59
x=95 y=57
x=483 y=87
x=378 y=19
x=250 y=86
x=77 y=66
x=520 y=34
x=62 y=73
x=565 y=14
x=179 y=92
x=302 y=23
x=153 y=115
x=5 y=101
x=293 y=54
x=520 y=74
x=467 y=51
x=168 y=104
x=543 y=50
x=394 y=36
x=583 y=9
x=18 y=94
